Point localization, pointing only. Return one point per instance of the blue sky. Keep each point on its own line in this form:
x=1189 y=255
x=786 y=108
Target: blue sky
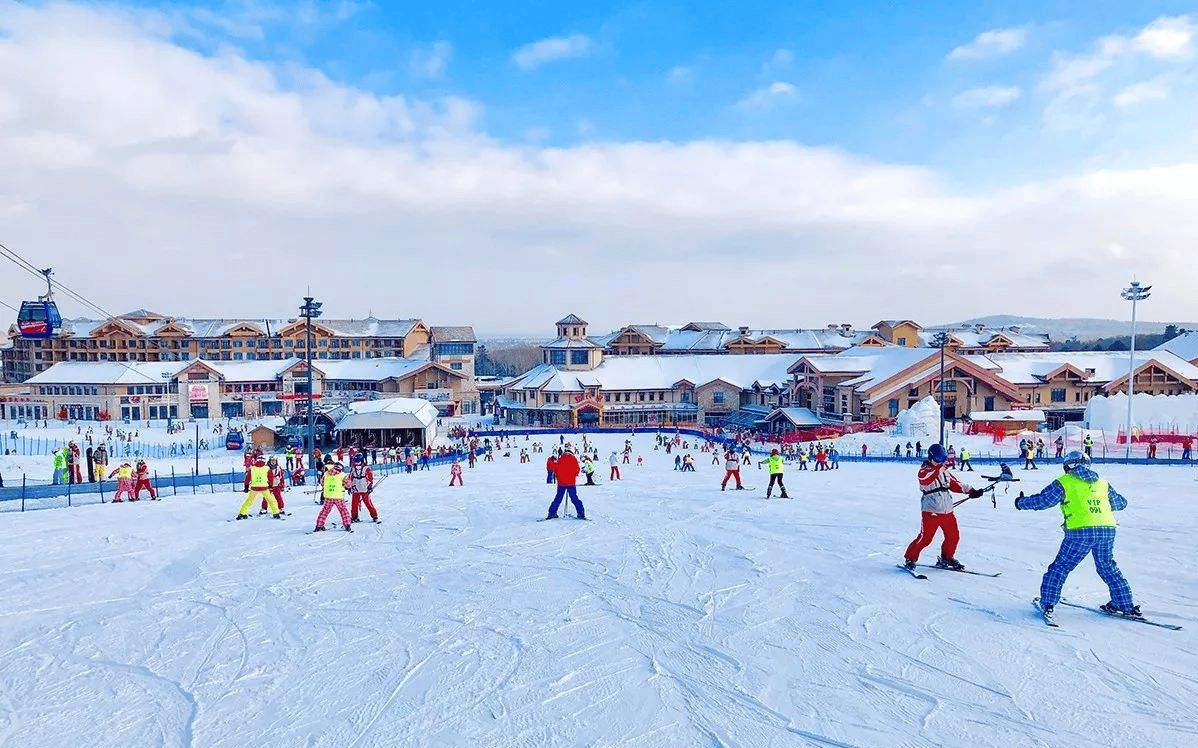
x=792 y=164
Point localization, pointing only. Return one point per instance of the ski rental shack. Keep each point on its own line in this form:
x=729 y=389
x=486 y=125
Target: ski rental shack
x=391 y=422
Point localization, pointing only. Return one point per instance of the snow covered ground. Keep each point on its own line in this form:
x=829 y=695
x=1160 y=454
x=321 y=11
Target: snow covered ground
x=680 y=616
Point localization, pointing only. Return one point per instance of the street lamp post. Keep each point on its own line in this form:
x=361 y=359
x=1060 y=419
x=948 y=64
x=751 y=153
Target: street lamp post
x=1133 y=293
x=308 y=311
x=941 y=340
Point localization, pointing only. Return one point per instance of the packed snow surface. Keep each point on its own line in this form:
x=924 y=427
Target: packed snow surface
x=680 y=616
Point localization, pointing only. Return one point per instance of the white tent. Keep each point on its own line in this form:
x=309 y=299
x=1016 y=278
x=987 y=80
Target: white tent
x=381 y=422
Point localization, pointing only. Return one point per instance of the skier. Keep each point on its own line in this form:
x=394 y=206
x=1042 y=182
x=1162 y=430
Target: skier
x=775 y=466
x=60 y=465
x=333 y=485
x=550 y=468
x=1060 y=445
x=688 y=463
x=124 y=482
x=455 y=472
x=101 y=458
x=1088 y=446
x=565 y=470
x=834 y=457
x=1029 y=456
x=802 y=458
x=588 y=469
x=909 y=449
x=143 y=481
x=276 y=481
x=897 y=451
x=1088 y=504
x=731 y=470
x=361 y=480
x=937 y=484
x=614 y=461
x=1186 y=445
x=259 y=479
x=821 y=459
x=965 y=459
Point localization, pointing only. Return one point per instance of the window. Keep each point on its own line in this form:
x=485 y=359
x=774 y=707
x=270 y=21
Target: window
x=893 y=405
x=901 y=341
x=456 y=366
x=579 y=357
x=1057 y=395
x=453 y=349
x=717 y=397
x=912 y=392
x=557 y=358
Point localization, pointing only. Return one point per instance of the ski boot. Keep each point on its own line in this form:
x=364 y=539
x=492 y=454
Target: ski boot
x=277 y=516
x=951 y=564
x=348 y=528
x=1110 y=609
x=355 y=519
x=243 y=516
x=261 y=512
x=319 y=529
x=784 y=496
x=908 y=564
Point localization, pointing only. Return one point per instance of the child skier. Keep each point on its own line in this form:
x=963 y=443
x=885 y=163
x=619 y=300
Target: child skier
x=1088 y=504
x=277 y=482
x=550 y=468
x=333 y=485
x=775 y=466
x=731 y=470
x=143 y=481
x=455 y=473
x=124 y=482
x=614 y=461
x=259 y=479
x=937 y=484
x=361 y=479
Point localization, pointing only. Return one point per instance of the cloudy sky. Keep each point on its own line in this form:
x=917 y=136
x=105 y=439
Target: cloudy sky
x=503 y=164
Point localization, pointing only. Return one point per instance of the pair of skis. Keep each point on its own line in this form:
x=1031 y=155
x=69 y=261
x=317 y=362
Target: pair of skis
x=1050 y=620
x=917 y=575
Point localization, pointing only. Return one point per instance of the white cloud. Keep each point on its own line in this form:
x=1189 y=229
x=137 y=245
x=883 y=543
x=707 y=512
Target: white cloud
x=987 y=97
x=993 y=43
x=431 y=61
x=778 y=62
x=768 y=96
x=535 y=54
x=127 y=154
x=1138 y=93
x=680 y=75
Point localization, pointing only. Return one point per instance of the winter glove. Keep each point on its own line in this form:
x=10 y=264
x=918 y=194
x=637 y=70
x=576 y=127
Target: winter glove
x=976 y=493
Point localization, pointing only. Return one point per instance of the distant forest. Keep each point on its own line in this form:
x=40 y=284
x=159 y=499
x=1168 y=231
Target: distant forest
x=1121 y=343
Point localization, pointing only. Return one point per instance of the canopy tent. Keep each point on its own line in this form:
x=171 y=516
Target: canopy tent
x=397 y=421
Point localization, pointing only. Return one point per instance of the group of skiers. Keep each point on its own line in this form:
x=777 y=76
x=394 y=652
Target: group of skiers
x=1087 y=503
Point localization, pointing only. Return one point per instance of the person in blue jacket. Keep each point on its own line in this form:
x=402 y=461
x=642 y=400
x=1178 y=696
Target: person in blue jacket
x=1088 y=504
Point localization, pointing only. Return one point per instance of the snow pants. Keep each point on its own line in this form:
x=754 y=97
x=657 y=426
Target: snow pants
x=259 y=493
x=357 y=501
x=731 y=474
x=775 y=478
x=327 y=506
x=144 y=483
x=1076 y=545
x=457 y=477
x=278 y=494
x=932 y=522
x=562 y=491
x=615 y=473
x=123 y=486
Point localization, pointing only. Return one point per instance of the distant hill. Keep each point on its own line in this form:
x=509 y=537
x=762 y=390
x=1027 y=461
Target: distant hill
x=1083 y=328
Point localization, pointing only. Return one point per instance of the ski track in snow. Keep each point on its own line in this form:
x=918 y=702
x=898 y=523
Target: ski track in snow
x=681 y=616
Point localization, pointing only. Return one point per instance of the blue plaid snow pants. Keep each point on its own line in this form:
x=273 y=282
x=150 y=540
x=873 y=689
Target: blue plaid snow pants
x=1074 y=548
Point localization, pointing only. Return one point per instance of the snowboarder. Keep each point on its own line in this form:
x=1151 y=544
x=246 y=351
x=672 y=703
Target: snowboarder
x=1088 y=504
x=937 y=484
x=361 y=479
x=775 y=467
x=259 y=480
x=101 y=458
x=455 y=472
x=333 y=485
x=143 y=481
x=565 y=471
x=731 y=470
x=124 y=482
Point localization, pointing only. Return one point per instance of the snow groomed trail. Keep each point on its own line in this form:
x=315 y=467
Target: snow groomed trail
x=680 y=616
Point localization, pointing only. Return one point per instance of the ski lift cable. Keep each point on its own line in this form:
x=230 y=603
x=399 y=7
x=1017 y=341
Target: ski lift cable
x=15 y=257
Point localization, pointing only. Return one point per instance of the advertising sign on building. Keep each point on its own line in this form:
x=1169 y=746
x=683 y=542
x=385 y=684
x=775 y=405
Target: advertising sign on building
x=197 y=392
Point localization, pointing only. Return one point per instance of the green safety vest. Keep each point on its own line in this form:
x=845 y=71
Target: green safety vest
x=124 y=472
x=775 y=464
x=60 y=459
x=1085 y=504
x=964 y=454
x=259 y=476
x=334 y=486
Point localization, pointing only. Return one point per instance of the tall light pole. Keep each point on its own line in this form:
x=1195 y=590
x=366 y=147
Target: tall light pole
x=941 y=340
x=308 y=311
x=1133 y=293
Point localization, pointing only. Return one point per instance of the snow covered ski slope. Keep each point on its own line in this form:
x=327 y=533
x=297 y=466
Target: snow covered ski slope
x=680 y=616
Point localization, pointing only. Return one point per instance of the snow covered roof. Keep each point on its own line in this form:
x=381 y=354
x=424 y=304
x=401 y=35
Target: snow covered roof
x=797 y=416
x=1184 y=346
x=109 y=372
x=389 y=413
x=571 y=319
x=870 y=364
x=973 y=337
x=661 y=372
x=1107 y=366
x=211 y=328
x=566 y=343
x=262 y=370
x=1007 y=415
x=370 y=369
x=452 y=334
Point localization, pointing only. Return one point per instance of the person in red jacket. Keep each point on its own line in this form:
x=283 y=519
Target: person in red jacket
x=565 y=469
x=361 y=485
x=143 y=481
x=938 y=484
x=276 y=482
x=550 y=463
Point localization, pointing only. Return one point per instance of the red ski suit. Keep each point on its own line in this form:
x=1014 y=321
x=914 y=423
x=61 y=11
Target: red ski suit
x=937 y=484
x=361 y=484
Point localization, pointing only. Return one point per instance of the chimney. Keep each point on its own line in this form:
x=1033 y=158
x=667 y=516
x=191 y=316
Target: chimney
x=744 y=330
x=832 y=326
x=979 y=327
x=845 y=328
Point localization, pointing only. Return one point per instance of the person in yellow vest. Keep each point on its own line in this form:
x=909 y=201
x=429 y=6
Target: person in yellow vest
x=1088 y=446
x=124 y=482
x=965 y=464
x=258 y=478
x=334 y=487
x=774 y=461
x=1088 y=504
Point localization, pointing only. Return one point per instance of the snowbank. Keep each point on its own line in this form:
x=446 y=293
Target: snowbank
x=922 y=419
x=1159 y=413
